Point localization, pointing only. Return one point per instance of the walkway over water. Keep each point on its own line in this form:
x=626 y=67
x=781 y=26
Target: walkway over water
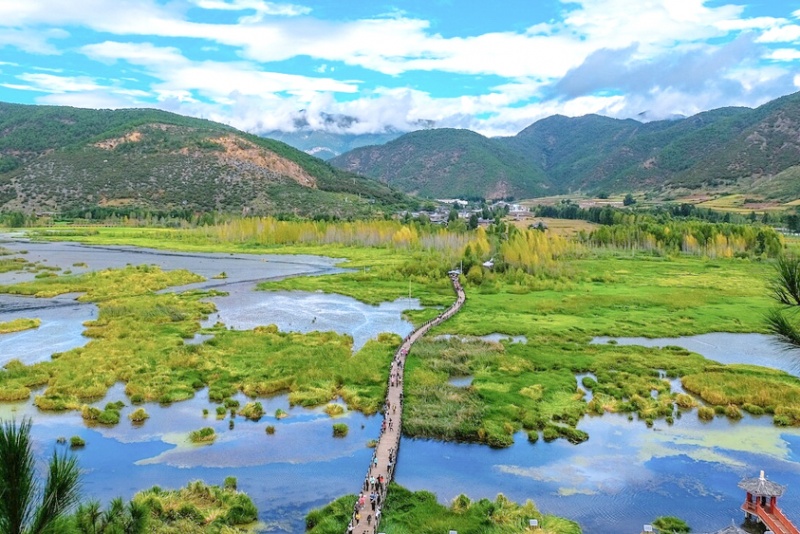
x=366 y=512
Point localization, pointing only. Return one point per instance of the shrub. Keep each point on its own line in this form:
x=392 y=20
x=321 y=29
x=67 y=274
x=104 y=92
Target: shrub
x=685 y=401
x=204 y=435
x=90 y=413
x=753 y=409
x=270 y=429
x=242 y=512
x=108 y=417
x=230 y=483
x=280 y=414
x=138 y=415
x=334 y=409
x=221 y=411
x=76 y=442
x=252 y=410
x=671 y=525
x=117 y=405
x=733 y=411
x=190 y=512
x=340 y=430
x=705 y=413
x=550 y=433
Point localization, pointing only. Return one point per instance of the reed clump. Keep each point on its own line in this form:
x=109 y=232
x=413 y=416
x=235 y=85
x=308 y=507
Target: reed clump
x=203 y=435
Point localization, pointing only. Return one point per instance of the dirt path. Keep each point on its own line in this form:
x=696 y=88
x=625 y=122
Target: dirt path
x=372 y=494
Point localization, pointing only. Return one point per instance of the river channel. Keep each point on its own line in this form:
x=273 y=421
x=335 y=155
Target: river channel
x=623 y=477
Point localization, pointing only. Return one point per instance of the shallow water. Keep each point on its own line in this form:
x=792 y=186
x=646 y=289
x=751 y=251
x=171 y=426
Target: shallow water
x=243 y=307
x=61 y=328
x=300 y=311
x=300 y=467
x=495 y=337
x=623 y=477
x=727 y=348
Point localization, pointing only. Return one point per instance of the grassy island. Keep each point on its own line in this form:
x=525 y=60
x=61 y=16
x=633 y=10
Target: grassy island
x=197 y=508
x=19 y=325
x=419 y=512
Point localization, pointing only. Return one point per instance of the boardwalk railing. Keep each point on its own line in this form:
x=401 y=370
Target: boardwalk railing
x=367 y=509
x=772 y=518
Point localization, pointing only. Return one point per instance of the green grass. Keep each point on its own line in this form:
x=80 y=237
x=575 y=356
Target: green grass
x=138 y=339
x=407 y=512
x=340 y=430
x=18 y=325
x=198 y=508
x=203 y=435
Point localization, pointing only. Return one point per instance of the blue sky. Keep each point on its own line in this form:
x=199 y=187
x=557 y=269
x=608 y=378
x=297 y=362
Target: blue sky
x=493 y=67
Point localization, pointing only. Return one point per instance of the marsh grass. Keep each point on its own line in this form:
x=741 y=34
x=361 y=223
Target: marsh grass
x=252 y=410
x=138 y=339
x=203 y=435
x=197 y=508
x=532 y=387
x=138 y=416
x=19 y=325
x=340 y=430
x=419 y=512
x=334 y=409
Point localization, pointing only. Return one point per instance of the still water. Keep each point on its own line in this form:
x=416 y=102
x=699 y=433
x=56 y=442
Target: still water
x=623 y=477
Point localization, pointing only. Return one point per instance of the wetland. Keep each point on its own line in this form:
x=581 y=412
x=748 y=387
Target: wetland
x=538 y=411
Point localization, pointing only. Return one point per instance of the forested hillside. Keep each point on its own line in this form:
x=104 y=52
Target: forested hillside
x=56 y=158
x=735 y=150
x=443 y=163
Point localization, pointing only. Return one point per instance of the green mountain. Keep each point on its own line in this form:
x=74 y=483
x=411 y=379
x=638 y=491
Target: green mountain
x=446 y=162
x=736 y=150
x=55 y=158
x=327 y=145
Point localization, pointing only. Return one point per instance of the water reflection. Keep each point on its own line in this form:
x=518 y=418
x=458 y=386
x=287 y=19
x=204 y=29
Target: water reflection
x=727 y=348
x=276 y=470
x=624 y=476
x=61 y=327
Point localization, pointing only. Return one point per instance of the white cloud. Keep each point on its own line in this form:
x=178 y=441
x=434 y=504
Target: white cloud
x=180 y=77
x=60 y=84
x=654 y=53
x=31 y=42
x=260 y=7
x=784 y=54
x=145 y=54
x=781 y=34
x=88 y=99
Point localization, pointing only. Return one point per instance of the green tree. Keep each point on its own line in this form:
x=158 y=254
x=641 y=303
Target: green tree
x=453 y=215
x=473 y=221
x=20 y=513
x=118 y=519
x=628 y=200
x=785 y=288
x=671 y=525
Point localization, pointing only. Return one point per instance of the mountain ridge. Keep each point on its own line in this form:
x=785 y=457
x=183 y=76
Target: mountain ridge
x=731 y=149
x=56 y=158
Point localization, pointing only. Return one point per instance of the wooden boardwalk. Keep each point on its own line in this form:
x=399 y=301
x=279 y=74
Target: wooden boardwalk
x=372 y=494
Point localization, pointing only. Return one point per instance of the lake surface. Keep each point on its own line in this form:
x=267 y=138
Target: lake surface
x=243 y=308
x=727 y=348
x=623 y=477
